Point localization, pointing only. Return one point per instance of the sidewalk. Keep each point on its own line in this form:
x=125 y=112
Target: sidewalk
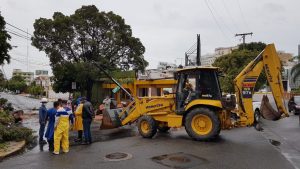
x=12 y=148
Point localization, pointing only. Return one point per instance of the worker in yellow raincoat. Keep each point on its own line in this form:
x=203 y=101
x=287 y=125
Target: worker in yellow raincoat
x=78 y=122
x=63 y=117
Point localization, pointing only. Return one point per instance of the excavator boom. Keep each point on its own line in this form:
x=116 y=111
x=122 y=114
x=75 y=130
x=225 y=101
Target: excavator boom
x=244 y=84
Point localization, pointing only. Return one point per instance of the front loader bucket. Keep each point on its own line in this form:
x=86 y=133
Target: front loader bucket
x=267 y=110
x=111 y=119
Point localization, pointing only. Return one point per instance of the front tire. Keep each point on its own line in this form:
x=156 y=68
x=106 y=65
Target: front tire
x=147 y=126
x=256 y=116
x=202 y=124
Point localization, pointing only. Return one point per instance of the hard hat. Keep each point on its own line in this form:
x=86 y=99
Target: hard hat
x=44 y=100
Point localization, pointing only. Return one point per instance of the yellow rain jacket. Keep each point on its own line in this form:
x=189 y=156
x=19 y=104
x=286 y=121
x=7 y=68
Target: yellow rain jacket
x=78 y=118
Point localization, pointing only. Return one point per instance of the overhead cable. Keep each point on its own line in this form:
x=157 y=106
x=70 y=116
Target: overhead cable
x=242 y=15
x=18 y=35
x=230 y=16
x=19 y=29
x=221 y=18
x=215 y=19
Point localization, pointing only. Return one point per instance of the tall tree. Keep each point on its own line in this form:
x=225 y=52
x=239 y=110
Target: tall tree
x=295 y=72
x=87 y=36
x=16 y=83
x=4 y=45
x=34 y=89
x=2 y=81
x=233 y=63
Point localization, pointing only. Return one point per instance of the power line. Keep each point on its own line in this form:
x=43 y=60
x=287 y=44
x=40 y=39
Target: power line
x=32 y=63
x=22 y=36
x=242 y=14
x=230 y=16
x=215 y=19
x=22 y=55
x=11 y=30
x=18 y=28
x=23 y=62
x=17 y=54
x=221 y=18
x=17 y=34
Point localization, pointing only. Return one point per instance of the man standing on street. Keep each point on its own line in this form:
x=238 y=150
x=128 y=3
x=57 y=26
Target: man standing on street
x=42 y=120
x=50 y=130
x=87 y=118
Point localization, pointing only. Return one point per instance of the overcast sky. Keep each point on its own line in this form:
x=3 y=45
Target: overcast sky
x=167 y=28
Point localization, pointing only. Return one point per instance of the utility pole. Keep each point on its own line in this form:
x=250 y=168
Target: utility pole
x=198 y=60
x=186 y=59
x=27 y=52
x=243 y=35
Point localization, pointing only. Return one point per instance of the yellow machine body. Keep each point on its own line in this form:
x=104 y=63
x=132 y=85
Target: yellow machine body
x=204 y=115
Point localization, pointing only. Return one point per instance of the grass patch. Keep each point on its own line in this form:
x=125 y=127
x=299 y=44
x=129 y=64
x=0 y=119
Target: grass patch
x=3 y=146
x=6 y=118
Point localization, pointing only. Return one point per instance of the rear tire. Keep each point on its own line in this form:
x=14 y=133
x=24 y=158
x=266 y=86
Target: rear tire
x=147 y=126
x=202 y=124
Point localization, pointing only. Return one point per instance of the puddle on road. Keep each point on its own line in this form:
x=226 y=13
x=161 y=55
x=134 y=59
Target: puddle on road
x=274 y=142
x=179 y=160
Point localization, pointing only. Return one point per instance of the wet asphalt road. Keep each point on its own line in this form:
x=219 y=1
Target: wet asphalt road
x=241 y=148
x=235 y=149
x=25 y=103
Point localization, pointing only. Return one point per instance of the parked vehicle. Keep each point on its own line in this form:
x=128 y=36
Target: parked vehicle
x=294 y=104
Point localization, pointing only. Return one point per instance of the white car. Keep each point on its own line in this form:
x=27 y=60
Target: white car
x=256 y=108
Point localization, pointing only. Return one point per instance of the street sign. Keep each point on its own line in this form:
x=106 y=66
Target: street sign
x=73 y=85
x=116 y=89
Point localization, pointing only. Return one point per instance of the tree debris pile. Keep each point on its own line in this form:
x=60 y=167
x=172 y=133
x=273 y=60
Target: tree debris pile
x=9 y=130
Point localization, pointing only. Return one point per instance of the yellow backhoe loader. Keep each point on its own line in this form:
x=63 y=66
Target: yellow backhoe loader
x=198 y=104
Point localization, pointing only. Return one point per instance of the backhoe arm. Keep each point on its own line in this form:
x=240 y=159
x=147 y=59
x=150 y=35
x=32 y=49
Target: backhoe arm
x=245 y=82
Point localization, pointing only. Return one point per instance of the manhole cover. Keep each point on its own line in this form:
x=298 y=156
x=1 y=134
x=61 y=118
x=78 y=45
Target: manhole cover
x=118 y=156
x=179 y=160
x=274 y=142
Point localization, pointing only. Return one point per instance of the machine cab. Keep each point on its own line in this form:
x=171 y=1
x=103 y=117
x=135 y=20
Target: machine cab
x=196 y=83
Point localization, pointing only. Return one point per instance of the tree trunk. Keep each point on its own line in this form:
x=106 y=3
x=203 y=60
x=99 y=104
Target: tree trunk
x=89 y=88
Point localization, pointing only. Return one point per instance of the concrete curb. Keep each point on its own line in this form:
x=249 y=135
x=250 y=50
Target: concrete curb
x=13 y=148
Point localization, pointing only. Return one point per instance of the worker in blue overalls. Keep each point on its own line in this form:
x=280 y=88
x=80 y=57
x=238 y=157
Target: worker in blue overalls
x=50 y=129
